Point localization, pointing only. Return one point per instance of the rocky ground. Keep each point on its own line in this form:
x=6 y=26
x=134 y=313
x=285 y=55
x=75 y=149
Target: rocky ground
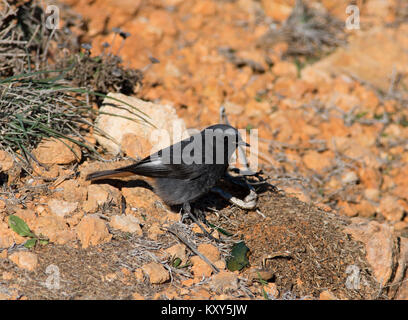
x=329 y=105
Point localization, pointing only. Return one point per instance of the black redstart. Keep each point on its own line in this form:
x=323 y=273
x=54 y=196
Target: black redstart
x=188 y=169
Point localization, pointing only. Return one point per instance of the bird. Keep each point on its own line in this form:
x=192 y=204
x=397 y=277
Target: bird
x=188 y=169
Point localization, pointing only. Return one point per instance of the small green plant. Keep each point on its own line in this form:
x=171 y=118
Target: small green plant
x=299 y=66
x=19 y=226
x=32 y=109
x=379 y=116
x=309 y=32
x=361 y=114
x=176 y=263
x=263 y=283
x=258 y=98
x=220 y=230
x=41 y=100
x=404 y=121
x=302 y=63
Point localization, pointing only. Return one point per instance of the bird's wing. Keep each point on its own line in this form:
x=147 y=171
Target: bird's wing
x=158 y=169
x=169 y=163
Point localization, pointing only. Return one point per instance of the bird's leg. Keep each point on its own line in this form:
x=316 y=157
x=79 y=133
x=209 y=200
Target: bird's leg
x=187 y=211
x=200 y=214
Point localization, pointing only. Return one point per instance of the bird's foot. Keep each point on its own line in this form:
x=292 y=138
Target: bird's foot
x=184 y=216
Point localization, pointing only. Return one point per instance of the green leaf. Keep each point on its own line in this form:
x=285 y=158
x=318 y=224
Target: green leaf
x=220 y=230
x=185 y=265
x=265 y=295
x=262 y=281
x=19 y=226
x=30 y=243
x=239 y=257
x=176 y=262
x=43 y=242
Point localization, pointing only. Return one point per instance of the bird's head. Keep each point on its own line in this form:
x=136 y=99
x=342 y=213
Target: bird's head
x=226 y=138
x=227 y=133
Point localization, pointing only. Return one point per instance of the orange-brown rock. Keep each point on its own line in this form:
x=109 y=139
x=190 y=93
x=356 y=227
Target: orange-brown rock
x=54 y=151
x=25 y=260
x=92 y=231
x=156 y=272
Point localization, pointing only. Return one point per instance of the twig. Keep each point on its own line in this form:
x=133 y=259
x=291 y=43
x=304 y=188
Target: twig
x=193 y=248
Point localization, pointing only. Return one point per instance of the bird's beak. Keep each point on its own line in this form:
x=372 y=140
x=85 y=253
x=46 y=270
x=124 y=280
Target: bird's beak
x=243 y=143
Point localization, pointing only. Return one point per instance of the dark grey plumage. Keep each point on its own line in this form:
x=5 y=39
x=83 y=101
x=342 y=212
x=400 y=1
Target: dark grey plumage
x=188 y=169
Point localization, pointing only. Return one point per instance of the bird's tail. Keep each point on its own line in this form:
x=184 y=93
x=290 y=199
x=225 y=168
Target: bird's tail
x=109 y=174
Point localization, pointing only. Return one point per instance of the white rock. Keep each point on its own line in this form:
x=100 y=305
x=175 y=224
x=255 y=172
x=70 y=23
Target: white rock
x=126 y=223
x=62 y=208
x=349 y=177
x=169 y=127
